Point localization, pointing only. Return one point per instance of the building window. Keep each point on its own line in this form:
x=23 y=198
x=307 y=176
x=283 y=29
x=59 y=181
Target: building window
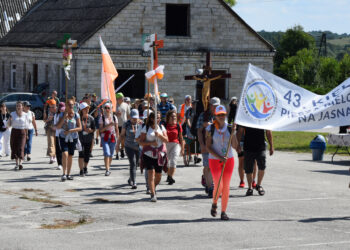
x=136 y=88
x=35 y=75
x=178 y=20
x=13 y=75
x=218 y=88
x=24 y=74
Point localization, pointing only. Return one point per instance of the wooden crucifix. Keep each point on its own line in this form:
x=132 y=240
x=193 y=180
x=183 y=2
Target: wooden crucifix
x=207 y=77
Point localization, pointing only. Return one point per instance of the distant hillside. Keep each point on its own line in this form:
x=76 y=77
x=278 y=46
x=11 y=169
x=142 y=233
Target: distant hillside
x=337 y=44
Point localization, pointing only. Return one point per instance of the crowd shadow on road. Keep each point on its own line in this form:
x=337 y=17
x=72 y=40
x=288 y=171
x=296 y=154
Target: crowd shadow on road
x=336 y=171
x=312 y=220
x=37 y=178
x=163 y=222
x=334 y=163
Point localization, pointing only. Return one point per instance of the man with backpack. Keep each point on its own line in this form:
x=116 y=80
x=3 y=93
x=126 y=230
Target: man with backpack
x=204 y=119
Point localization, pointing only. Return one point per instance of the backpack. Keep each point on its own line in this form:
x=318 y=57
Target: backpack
x=193 y=129
x=212 y=130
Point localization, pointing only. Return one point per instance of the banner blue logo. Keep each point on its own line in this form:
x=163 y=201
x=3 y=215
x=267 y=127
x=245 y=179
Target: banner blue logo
x=260 y=100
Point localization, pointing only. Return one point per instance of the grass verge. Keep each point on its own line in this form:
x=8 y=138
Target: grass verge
x=299 y=142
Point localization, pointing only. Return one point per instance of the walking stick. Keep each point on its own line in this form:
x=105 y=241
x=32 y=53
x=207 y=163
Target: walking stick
x=223 y=167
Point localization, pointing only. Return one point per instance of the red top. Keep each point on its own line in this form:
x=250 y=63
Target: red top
x=173 y=133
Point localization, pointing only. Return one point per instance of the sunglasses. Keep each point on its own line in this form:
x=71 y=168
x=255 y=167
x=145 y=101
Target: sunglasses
x=107 y=108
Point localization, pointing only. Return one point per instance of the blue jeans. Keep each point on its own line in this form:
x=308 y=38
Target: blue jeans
x=28 y=146
x=108 y=147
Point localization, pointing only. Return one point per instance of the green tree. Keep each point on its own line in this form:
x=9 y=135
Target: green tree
x=292 y=41
x=328 y=72
x=300 y=69
x=344 y=68
x=231 y=2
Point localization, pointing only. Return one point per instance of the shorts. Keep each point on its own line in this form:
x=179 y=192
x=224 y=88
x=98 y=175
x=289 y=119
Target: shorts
x=173 y=152
x=68 y=146
x=97 y=124
x=251 y=157
x=108 y=147
x=205 y=160
x=151 y=163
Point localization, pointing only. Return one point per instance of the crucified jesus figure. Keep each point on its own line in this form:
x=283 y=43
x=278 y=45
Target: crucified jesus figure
x=206 y=88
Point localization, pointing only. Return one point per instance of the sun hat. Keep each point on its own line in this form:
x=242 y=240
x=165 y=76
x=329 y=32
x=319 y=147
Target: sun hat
x=220 y=110
x=83 y=105
x=134 y=113
x=119 y=95
x=215 y=101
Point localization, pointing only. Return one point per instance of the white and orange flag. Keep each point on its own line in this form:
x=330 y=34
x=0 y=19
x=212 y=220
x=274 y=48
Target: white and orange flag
x=108 y=75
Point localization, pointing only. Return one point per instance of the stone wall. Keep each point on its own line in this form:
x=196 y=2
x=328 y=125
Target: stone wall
x=232 y=44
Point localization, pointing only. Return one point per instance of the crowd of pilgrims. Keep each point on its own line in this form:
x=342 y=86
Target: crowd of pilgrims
x=151 y=138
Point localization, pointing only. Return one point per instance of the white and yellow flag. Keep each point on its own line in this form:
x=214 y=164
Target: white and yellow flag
x=108 y=75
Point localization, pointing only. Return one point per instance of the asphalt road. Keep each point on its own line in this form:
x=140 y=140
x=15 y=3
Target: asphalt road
x=306 y=206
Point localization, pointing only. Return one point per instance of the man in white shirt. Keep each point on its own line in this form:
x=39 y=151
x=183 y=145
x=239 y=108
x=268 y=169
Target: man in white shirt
x=123 y=114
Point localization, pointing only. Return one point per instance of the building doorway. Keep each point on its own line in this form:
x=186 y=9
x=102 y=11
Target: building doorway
x=135 y=88
x=218 y=88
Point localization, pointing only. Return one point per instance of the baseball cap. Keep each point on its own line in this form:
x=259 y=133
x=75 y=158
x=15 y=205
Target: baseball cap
x=83 y=105
x=220 y=110
x=51 y=102
x=93 y=95
x=134 y=113
x=145 y=113
x=27 y=104
x=233 y=98
x=127 y=99
x=107 y=105
x=215 y=101
x=165 y=95
x=119 y=95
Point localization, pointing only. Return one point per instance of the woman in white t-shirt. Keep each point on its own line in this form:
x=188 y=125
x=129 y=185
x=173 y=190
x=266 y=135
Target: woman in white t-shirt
x=217 y=139
x=152 y=140
x=31 y=128
x=19 y=122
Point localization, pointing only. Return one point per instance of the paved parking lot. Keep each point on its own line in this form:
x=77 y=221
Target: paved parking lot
x=306 y=206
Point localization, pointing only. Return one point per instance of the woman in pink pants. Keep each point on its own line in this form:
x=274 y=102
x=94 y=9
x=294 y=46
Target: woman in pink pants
x=218 y=135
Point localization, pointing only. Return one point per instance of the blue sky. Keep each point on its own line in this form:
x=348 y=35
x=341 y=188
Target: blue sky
x=279 y=15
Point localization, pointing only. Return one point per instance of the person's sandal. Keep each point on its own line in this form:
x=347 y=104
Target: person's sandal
x=249 y=192
x=213 y=210
x=260 y=190
x=224 y=216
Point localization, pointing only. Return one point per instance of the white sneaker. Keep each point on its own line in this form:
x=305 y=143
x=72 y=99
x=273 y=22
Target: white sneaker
x=16 y=168
x=59 y=167
x=54 y=159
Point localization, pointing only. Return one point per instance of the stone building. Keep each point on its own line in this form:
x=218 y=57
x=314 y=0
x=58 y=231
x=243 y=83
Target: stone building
x=189 y=28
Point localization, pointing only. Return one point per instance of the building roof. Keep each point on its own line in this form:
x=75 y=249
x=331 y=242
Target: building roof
x=11 y=11
x=49 y=20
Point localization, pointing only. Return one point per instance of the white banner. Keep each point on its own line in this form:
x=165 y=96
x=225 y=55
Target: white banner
x=270 y=102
